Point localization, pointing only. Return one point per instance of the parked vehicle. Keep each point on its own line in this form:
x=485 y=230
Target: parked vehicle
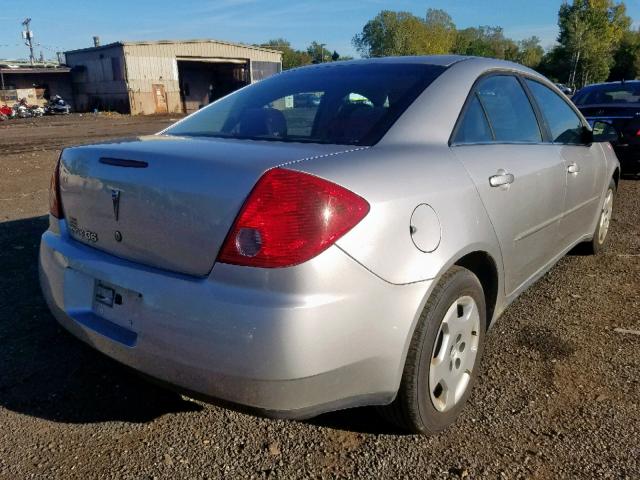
x=57 y=106
x=306 y=100
x=564 y=89
x=357 y=261
x=617 y=104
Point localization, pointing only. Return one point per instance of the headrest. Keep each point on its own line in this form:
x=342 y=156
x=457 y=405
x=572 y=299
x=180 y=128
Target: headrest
x=257 y=122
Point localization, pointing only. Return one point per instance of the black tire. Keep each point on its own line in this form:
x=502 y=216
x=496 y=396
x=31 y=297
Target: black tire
x=413 y=409
x=596 y=245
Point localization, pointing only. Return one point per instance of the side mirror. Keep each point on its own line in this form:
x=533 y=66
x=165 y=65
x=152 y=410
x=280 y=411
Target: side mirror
x=605 y=132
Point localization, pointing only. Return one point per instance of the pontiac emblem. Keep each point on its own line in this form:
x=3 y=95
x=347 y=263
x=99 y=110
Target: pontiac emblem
x=115 y=198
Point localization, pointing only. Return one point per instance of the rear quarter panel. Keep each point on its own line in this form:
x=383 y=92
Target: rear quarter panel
x=395 y=180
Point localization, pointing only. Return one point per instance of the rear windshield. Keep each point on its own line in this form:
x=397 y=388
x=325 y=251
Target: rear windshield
x=614 y=93
x=351 y=104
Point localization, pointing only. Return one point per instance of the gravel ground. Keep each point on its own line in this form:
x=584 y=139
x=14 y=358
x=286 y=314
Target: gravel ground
x=558 y=397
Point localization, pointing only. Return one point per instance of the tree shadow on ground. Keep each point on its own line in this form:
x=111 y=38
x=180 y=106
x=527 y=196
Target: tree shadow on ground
x=47 y=373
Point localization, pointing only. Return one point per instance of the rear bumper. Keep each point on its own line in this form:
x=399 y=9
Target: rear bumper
x=290 y=342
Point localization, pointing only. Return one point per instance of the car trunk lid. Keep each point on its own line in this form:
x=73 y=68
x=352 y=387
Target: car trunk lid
x=626 y=118
x=166 y=202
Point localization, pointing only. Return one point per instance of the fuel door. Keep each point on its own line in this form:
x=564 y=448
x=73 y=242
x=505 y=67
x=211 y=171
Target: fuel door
x=425 y=228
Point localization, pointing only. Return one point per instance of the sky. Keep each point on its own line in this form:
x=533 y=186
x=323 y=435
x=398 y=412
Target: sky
x=69 y=24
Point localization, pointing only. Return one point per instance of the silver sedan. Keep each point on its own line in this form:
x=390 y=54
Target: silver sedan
x=334 y=236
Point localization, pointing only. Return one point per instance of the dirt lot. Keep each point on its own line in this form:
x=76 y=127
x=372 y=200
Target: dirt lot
x=558 y=398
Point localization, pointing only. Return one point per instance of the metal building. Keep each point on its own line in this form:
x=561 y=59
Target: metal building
x=164 y=76
x=36 y=83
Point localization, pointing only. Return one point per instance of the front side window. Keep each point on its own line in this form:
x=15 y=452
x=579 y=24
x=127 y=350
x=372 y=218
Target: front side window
x=565 y=125
x=510 y=113
x=350 y=104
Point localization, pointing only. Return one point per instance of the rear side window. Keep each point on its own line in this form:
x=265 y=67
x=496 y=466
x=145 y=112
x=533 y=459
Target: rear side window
x=509 y=110
x=563 y=122
x=474 y=127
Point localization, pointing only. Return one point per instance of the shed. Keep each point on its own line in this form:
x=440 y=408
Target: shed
x=165 y=76
x=44 y=81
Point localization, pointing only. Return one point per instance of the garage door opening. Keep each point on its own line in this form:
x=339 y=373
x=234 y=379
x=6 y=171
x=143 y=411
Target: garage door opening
x=204 y=81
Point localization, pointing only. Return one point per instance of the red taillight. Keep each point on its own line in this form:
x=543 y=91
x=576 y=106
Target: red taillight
x=55 y=206
x=289 y=218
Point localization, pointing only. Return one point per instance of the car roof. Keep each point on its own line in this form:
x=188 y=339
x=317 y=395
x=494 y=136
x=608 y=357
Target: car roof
x=595 y=86
x=435 y=60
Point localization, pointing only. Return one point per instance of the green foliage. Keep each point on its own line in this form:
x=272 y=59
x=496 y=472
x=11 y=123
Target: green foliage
x=319 y=53
x=486 y=41
x=392 y=33
x=555 y=65
x=590 y=33
x=530 y=52
x=626 y=58
x=402 y=33
x=291 y=58
x=595 y=42
x=440 y=31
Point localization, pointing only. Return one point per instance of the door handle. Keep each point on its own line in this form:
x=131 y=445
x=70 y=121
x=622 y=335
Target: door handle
x=501 y=179
x=573 y=168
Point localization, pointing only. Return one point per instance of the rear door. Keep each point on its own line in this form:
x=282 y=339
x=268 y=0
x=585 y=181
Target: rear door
x=499 y=141
x=584 y=163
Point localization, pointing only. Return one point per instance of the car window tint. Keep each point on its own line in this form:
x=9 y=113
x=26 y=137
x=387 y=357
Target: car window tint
x=508 y=109
x=564 y=123
x=474 y=127
x=299 y=112
x=339 y=103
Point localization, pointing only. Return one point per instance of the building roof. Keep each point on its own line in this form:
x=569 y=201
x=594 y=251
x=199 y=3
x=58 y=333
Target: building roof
x=171 y=42
x=13 y=70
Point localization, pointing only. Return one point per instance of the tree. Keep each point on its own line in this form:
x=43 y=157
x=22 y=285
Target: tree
x=291 y=58
x=441 y=31
x=485 y=41
x=392 y=33
x=555 y=65
x=318 y=53
x=626 y=58
x=530 y=52
x=590 y=32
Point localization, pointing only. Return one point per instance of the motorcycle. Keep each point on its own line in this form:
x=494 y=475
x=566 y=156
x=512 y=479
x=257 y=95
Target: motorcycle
x=57 y=106
x=36 y=110
x=21 y=109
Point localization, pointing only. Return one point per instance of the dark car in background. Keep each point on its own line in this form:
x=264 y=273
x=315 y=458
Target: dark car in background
x=618 y=104
x=564 y=89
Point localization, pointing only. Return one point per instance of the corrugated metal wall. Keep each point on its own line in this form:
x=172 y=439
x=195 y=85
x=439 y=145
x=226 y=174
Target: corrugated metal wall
x=156 y=63
x=98 y=79
x=121 y=76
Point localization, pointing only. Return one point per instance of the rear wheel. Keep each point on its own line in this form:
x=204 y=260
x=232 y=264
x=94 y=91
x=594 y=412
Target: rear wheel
x=444 y=356
x=600 y=236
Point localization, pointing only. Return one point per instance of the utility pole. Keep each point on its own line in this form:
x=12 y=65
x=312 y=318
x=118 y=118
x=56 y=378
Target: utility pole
x=322 y=52
x=27 y=35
